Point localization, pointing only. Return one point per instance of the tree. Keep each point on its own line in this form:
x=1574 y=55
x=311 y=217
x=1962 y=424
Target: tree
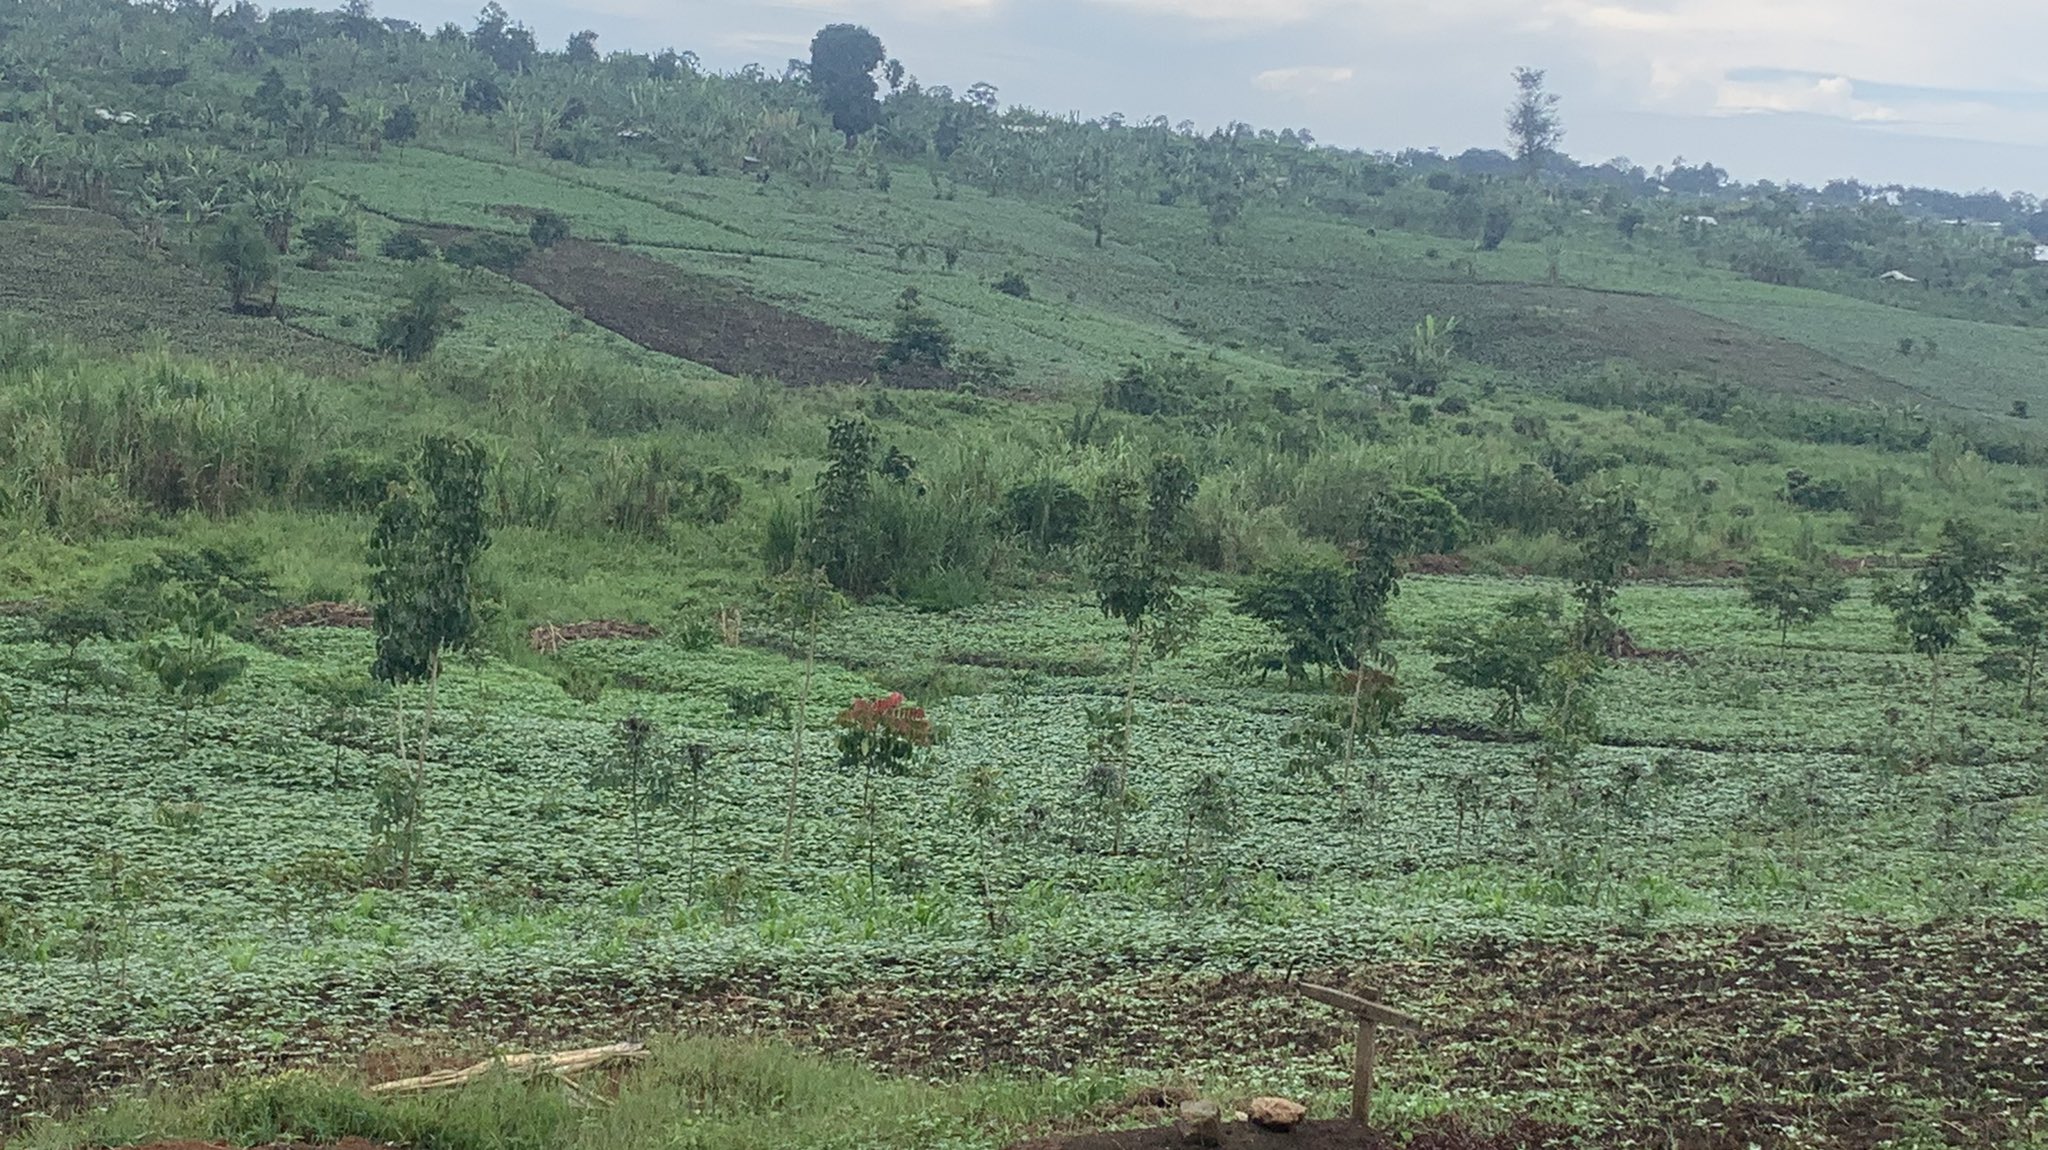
x=1511 y=655
x=1306 y=601
x=427 y=313
x=548 y=229
x=843 y=62
x=803 y=601
x=1500 y=220
x=1534 y=126
x=1612 y=534
x=423 y=556
x=879 y=736
x=917 y=337
x=327 y=239
x=247 y=264
x=1134 y=558
x=642 y=772
x=582 y=48
x=193 y=667
x=2019 y=640
x=1793 y=594
x=401 y=126
x=1932 y=609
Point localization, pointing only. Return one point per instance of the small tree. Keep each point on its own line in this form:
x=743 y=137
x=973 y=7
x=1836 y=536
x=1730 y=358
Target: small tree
x=1932 y=610
x=1134 y=557
x=401 y=126
x=71 y=626
x=247 y=263
x=917 y=337
x=423 y=557
x=803 y=600
x=2019 y=640
x=1511 y=655
x=1793 y=594
x=427 y=313
x=1613 y=534
x=191 y=665
x=1534 y=126
x=548 y=229
x=879 y=737
x=1425 y=363
x=327 y=239
x=641 y=772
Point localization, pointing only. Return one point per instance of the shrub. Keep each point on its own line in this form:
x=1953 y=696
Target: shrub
x=1013 y=284
x=1049 y=512
x=408 y=246
x=548 y=229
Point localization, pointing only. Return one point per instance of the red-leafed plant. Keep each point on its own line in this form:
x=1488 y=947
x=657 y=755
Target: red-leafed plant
x=880 y=736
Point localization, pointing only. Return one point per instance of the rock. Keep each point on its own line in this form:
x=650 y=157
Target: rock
x=1201 y=1123
x=1275 y=1113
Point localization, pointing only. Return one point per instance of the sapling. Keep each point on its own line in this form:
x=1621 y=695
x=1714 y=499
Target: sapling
x=878 y=737
x=423 y=556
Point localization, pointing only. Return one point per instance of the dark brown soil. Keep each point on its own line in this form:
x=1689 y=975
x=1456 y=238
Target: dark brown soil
x=1699 y=1039
x=1331 y=1134
x=706 y=320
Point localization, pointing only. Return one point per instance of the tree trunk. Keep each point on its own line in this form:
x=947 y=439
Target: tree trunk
x=796 y=748
x=1123 y=757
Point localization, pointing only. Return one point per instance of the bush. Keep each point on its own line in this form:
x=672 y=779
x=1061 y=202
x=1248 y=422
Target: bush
x=548 y=229
x=349 y=481
x=427 y=313
x=492 y=252
x=408 y=246
x=327 y=239
x=1048 y=512
x=1012 y=284
x=917 y=338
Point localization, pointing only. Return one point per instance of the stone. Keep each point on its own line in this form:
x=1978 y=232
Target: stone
x=1201 y=1123
x=1275 y=1113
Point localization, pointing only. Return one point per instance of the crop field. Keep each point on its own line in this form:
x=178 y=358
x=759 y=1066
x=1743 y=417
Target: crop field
x=184 y=891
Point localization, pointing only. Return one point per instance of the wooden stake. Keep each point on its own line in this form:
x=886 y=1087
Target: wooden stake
x=1361 y=1080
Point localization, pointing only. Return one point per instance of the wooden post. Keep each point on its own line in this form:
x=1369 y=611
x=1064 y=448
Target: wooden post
x=1371 y=1016
x=1361 y=1079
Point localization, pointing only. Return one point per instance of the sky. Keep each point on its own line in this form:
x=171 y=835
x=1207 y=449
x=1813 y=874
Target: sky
x=1951 y=94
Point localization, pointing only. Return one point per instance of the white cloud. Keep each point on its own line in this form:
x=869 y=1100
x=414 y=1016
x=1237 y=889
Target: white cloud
x=1303 y=79
x=1822 y=96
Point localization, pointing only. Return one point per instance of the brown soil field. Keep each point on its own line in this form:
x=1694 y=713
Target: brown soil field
x=705 y=320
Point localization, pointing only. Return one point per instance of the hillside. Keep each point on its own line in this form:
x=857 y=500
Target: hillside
x=998 y=599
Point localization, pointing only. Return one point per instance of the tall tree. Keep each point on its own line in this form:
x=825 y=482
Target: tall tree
x=423 y=556
x=844 y=58
x=1534 y=126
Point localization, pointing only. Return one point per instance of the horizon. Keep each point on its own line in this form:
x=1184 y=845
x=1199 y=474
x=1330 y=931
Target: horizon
x=1782 y=115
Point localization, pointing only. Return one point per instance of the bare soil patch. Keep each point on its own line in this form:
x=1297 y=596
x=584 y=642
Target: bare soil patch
x=1698 y=1039
x=1333 y=1134
x=339 y=615
x=706 y=320
x=550 y=636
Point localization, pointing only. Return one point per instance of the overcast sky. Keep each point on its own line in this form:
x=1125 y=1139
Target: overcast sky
x=1951 y=94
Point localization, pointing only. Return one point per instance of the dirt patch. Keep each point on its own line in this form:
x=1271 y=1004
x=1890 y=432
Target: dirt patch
x=549 y=638
x=706 y=320
x=1868 y=1028
x=341 y=615
x=1334 y=1134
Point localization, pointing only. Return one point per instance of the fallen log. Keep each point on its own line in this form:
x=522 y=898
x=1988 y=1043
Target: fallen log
x=521 y=1066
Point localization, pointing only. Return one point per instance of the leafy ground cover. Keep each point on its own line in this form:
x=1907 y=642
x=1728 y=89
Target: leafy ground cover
x=1596 y=949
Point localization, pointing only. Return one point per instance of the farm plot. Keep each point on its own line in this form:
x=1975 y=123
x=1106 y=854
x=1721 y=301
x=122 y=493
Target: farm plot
x=186 y=889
